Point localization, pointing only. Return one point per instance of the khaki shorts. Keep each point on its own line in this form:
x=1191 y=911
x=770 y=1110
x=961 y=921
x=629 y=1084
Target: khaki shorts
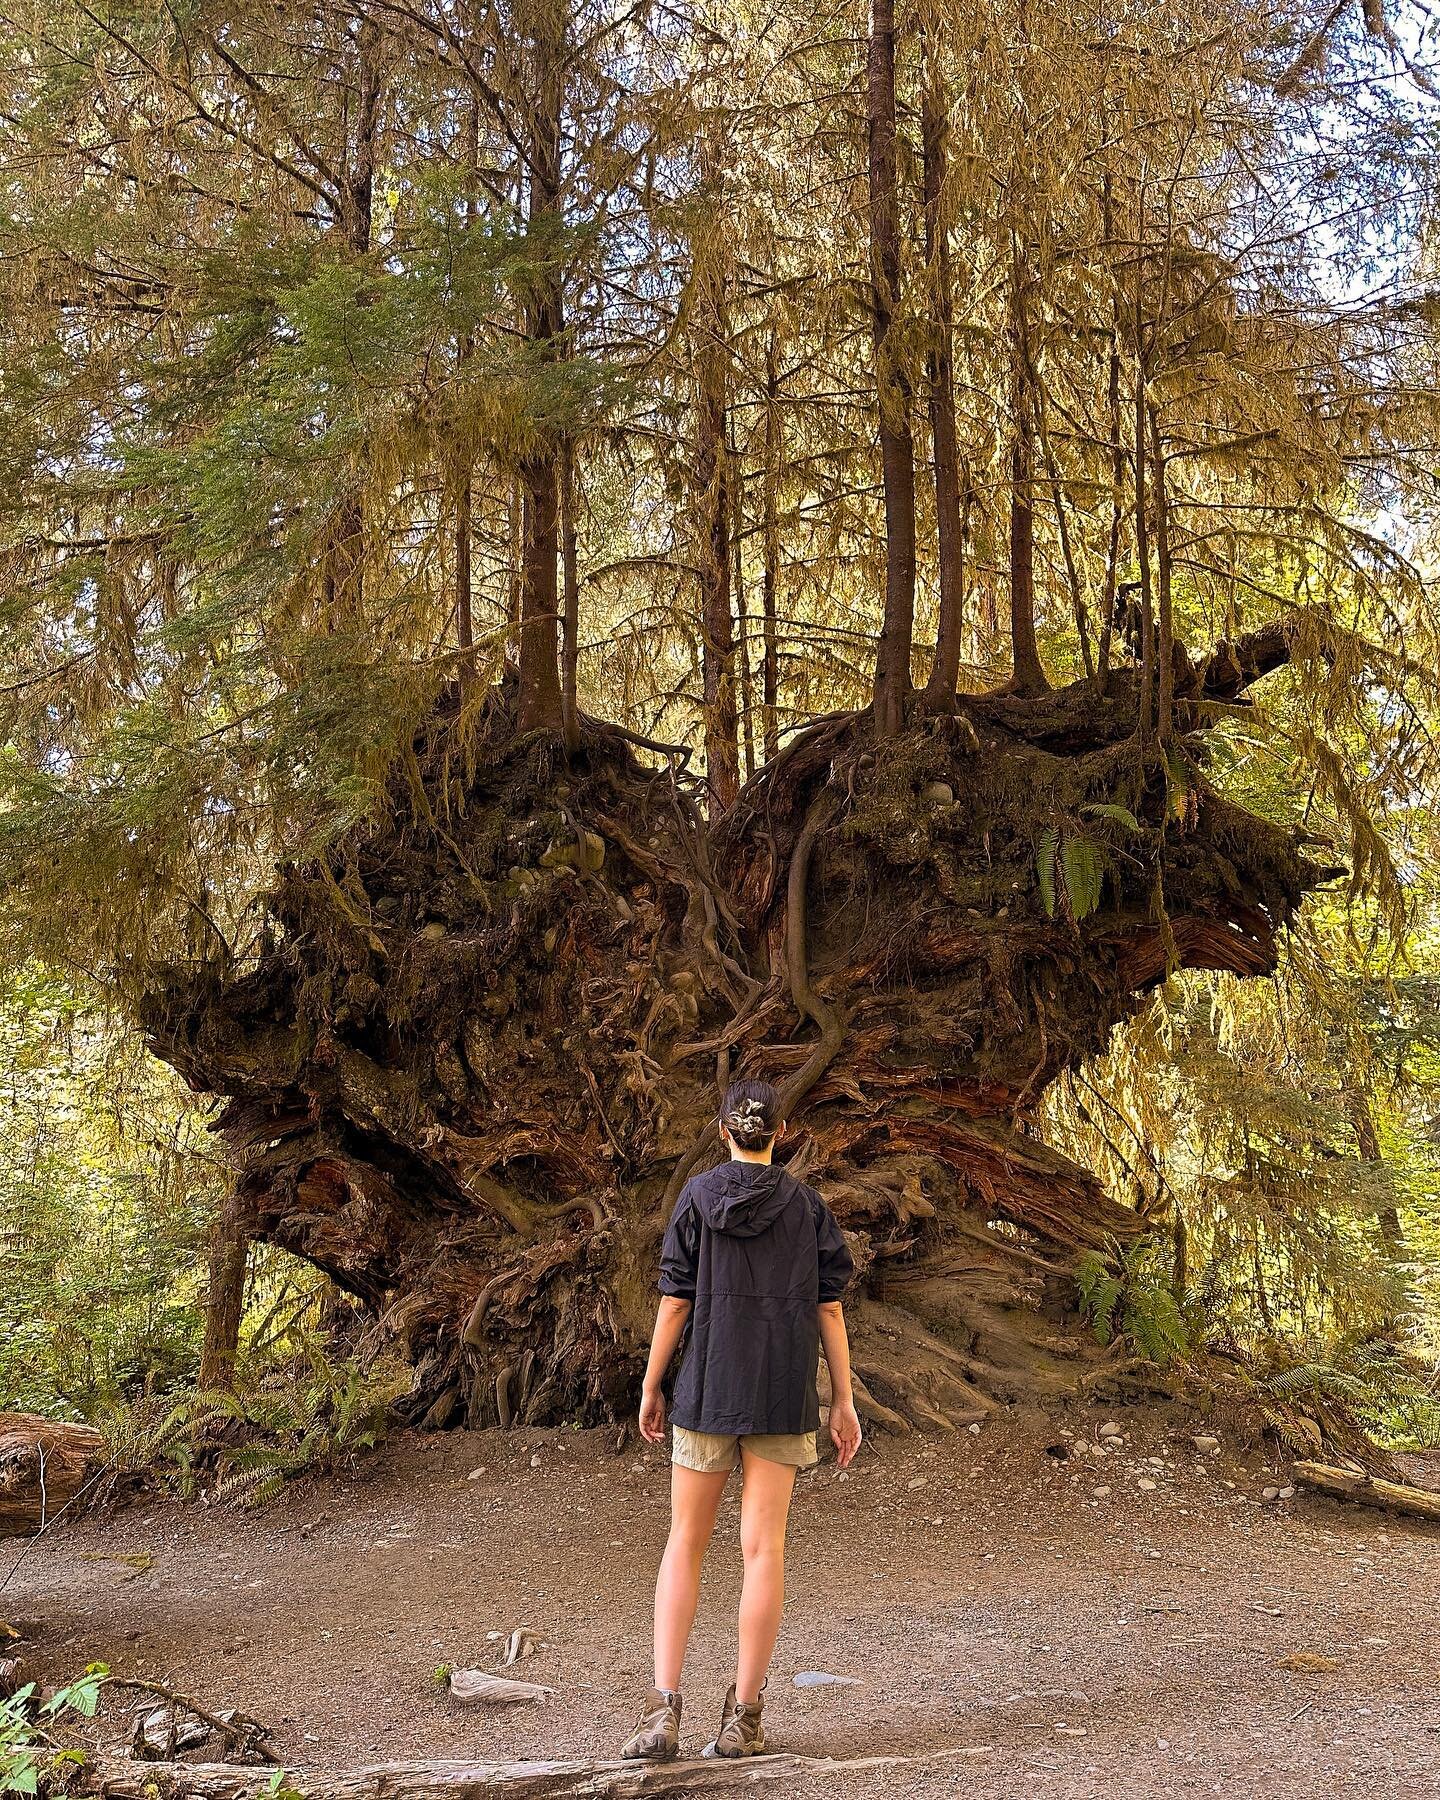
x=709 y=1452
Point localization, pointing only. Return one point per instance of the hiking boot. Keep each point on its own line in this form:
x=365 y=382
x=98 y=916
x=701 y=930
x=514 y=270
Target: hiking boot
x=656 y=1738
x=741 y=1732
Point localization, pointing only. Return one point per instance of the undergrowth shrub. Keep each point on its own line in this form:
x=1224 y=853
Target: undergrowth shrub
x=1128 y=1294
x=309 y=1415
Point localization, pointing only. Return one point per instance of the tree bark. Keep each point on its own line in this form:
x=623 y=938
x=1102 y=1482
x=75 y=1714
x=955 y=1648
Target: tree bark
x=225 y=1298
x=770 y=579
x=532 y=1779
x=892 y=383
x=719 y=714
x=570 y=624
x=541 y=705
x=940 y=372
x=43 y=1464
x=1028 y=672
x=470 y=1082
x=1369 y=1490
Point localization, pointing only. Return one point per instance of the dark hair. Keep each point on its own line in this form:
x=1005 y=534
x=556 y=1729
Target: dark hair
x=750 y=1112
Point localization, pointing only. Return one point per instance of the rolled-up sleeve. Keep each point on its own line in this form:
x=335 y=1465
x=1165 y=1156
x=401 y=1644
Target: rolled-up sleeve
x=837 y=1265
x=679 y=1254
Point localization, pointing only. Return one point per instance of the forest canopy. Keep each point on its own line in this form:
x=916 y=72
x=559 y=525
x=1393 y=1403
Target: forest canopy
x=557 y=552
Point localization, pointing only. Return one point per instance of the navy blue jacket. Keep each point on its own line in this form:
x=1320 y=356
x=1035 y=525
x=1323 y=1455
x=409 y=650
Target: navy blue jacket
x=756 y=1251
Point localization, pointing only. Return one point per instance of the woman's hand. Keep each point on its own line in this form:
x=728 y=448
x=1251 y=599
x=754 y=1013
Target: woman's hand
x=652 y=1416
x=844 y=1430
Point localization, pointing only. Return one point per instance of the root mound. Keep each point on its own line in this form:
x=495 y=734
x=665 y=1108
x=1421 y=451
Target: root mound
x=479 y=1052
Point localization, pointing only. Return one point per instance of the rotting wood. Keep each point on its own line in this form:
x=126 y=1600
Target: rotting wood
x=1369 y=1490
x=474 y=1687
x=457 y=1780
x=43 y=1464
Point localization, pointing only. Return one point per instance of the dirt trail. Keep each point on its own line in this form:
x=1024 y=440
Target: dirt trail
x=989 y=1602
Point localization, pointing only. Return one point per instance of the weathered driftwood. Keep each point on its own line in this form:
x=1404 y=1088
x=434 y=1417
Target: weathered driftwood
x=1351 y=1484
x=474 y=1687
x=43 y=1462
x=116 y=1779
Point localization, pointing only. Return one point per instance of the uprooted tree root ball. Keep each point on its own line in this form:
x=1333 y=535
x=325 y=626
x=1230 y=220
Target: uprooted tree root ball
x=479 y=1053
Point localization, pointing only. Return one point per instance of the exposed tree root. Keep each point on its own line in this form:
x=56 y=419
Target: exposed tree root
x=475 y=1065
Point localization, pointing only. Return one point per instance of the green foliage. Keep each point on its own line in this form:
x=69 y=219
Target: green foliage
x=280 y=1787
x=24 y=1737
x=1081 y=863
x=308 y=1414
x=1127 y=1294
x=107 y=1184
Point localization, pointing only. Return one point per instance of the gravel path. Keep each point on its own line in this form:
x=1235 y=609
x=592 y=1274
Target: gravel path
x=1017 y=1621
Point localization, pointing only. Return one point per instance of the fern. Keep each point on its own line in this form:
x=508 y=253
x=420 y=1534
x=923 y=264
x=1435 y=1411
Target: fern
x=1122 y=815
x=1127 y=1294
x=1182 y=801
x=1045 y=868
x=1084 y=866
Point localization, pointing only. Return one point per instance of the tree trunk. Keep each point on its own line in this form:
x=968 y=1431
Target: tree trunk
x=892 y=383
x=719 y=715
x=1367 y=1140
x=570 y=624
x=43 y=1464
x=474 y=1071
x=770 y=580
x=541 y=704
x=940 y=372
x=1029 y=672
x=464 y=604
x=225 y=1297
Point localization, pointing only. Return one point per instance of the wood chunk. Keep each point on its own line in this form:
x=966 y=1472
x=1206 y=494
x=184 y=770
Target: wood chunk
x=1353 y=1484
x=43 y=1463
x=474 y=1687
x=117 y=1779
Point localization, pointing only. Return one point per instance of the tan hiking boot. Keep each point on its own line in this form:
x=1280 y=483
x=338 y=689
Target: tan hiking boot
x=741 y=1733
x=656 y=1738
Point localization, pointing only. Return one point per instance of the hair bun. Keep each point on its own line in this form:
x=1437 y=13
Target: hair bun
x=750 y=1112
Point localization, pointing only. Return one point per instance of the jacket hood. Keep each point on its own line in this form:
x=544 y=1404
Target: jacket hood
x=742 y=1198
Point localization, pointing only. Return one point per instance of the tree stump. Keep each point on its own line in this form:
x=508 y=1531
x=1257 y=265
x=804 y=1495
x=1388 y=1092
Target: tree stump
x=43 y=1463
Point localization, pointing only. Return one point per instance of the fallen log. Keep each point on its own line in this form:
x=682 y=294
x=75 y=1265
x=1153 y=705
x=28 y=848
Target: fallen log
x=116 y=1779
x=43 y=1464
x=1354 y=1484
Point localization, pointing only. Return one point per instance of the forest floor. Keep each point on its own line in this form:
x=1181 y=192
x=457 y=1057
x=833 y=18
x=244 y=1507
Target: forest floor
x=1015 y=1621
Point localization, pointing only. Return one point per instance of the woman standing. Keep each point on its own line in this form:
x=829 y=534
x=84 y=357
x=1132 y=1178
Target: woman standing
x=754 y=1262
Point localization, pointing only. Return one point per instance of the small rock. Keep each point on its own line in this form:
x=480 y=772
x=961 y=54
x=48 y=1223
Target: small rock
x=918 y=1482
x=1146 y=1484
x=1109 y=1430
x=808 y=1678
x=1205 y=1444
x=1101 y=1491
x=940 y=792
x=535 y=1460
x=1286 y=1493
x=475 y=1474
x=1271 y=1493
x=974 y=1429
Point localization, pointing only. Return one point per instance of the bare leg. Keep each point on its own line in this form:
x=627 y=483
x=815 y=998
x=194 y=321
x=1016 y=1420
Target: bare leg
x=764 y=1510
x=694 y=1504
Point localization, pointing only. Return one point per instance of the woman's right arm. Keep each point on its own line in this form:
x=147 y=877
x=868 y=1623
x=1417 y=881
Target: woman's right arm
x=669 y=1323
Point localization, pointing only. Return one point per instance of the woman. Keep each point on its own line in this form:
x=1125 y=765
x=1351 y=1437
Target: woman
x=754 y=1262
